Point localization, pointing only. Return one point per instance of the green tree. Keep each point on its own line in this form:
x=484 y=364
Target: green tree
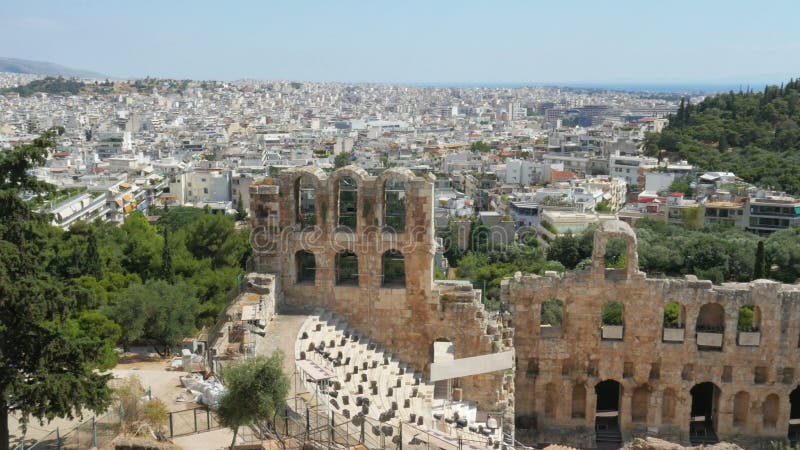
x=44 y=372
x=241 y=213
x=552 y=312
x=603 y=208
x=102 y=334
x=94 y=266
x=176 y=218
x=566 y=250
x=159 y=312
x=255 y=392
x=480 y=147
x=341 y=160
x=167 y=271
x=672 y=315
x=612 y=313
x=782 y=250
x=682 y=184
x=745 y=319
x=214 y=236
x=141 y=246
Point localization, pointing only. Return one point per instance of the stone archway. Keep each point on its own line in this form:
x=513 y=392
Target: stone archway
x=613 y=230
x=608 y=398
x=794 y=416
x=703 y=415
x=608 y=393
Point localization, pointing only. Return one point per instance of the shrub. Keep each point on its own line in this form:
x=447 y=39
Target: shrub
x=612 y=313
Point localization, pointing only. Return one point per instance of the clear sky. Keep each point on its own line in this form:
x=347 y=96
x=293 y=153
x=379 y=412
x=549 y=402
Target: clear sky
x=410 y=41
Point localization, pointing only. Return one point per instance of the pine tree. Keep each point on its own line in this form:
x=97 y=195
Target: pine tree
x=46 y=373
x=681 y=113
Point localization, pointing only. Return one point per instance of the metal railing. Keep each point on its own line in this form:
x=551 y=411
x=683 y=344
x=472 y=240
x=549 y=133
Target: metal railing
x=317 y=424
x=96 y=432
x=191 y=421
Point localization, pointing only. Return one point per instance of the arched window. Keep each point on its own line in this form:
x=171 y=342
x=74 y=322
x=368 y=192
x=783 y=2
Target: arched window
x=770 y=411
x=741 y=408
x=673 y=315
x=394 y=268
x=749 y=318
x=348 y=203
x=612 y=317
x=550 y=400
x=394 y=205
x=552 y=318
x=346 y=268
x=552 y=312
x=616 y=256
x=668 y=406
x=640 y=404
x=306 y=266
x=612 y=313
x=306 y=202
x=578 y=401
x=711 y=318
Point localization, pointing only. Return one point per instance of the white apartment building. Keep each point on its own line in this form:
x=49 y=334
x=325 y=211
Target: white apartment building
x=526 y=173
x=207 y=186
x=631 y=168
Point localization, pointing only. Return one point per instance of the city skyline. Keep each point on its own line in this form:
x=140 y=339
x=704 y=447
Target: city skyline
x=713 y=43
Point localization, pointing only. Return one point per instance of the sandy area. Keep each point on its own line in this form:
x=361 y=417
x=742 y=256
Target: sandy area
x=165 y=384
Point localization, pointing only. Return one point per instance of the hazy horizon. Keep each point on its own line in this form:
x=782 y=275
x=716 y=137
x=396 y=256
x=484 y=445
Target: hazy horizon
x=722 y=44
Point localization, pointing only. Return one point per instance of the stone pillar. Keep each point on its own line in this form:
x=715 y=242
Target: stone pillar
x=266 y=236
x=625 y=408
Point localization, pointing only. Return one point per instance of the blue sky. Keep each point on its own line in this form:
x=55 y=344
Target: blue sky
x=409 y=41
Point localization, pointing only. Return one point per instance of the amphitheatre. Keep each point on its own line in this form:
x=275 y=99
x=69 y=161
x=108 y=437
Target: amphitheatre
x=386 y=344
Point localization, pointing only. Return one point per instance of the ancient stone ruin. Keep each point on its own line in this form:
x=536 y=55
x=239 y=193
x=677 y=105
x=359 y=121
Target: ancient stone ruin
x=616 y=355
x=362 y=247
x=693 y=376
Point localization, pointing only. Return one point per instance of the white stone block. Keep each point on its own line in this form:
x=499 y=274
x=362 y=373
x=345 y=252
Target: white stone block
x=749 y=338
x=707 y=339
x=674 y=334
x=613 y=331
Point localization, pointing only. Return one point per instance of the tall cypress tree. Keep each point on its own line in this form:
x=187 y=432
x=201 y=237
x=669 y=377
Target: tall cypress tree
x=94 y=266
x=760 y=269
x=167 y=272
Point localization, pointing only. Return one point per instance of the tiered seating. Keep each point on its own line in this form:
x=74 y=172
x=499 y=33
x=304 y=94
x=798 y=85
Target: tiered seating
x=371 y=382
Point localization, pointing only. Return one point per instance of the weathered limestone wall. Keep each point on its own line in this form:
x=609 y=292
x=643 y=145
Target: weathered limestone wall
x=405 y=319
x=656 y=376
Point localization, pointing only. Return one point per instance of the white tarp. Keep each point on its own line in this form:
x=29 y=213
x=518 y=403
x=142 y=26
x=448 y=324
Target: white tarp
x=207 y=391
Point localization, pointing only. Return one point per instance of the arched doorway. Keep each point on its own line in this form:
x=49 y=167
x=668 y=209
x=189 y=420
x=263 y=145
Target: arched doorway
x=703 y=417
x=606 y=418
x=794 y=416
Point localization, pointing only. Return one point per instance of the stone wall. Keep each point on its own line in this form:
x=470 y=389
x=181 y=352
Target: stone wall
x=405 y=318
x=558 y=369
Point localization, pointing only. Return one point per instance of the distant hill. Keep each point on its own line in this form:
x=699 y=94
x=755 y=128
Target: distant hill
x=756 y=135
x=15 y=65
x=50 y=85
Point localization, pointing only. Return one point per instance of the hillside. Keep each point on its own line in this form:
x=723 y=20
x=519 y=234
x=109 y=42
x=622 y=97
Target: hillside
x=49 y=85
x=15 y=65
x=753 y=134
